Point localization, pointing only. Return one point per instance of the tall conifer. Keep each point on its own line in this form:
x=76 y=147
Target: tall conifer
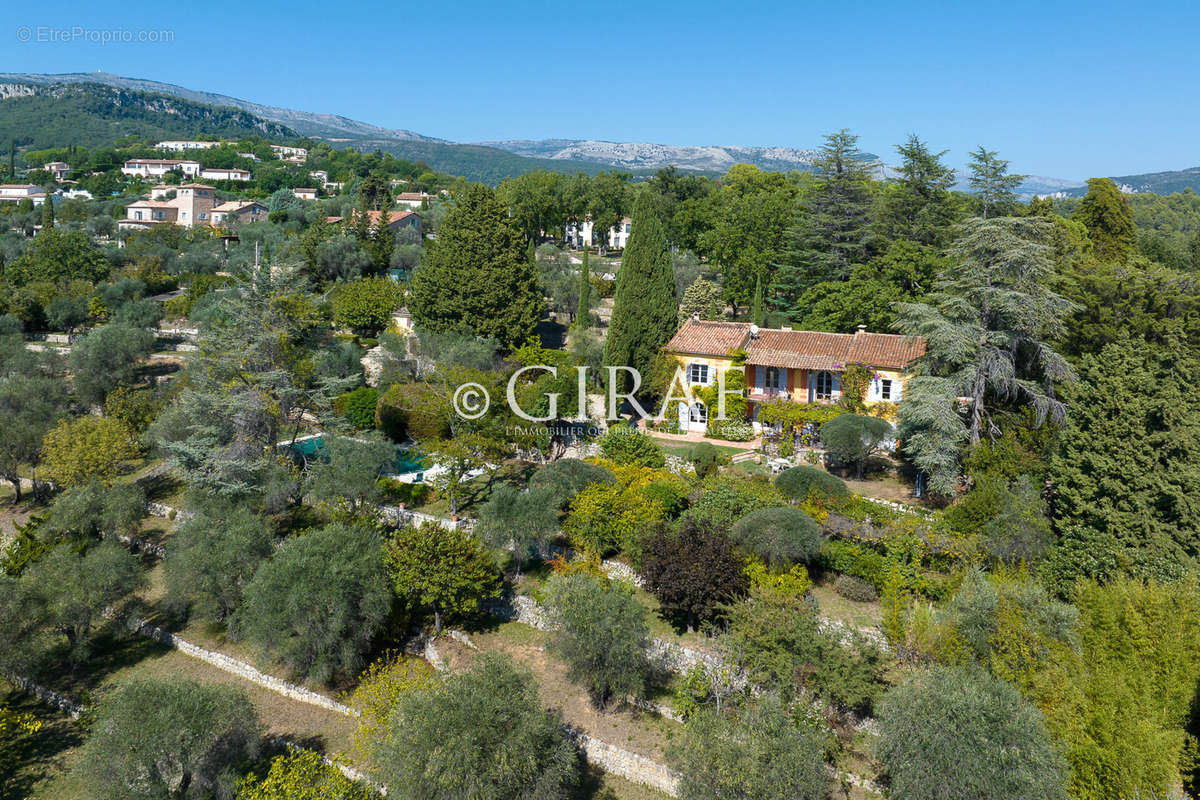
x=644 y=307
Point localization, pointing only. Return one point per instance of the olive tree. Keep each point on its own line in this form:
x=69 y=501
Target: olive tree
x=171 y=738
x=484 y=733
x=757 y=752
x=853 y=438
x=212 y=556
x=318 y=603
x=602 y=635
x=960 y=734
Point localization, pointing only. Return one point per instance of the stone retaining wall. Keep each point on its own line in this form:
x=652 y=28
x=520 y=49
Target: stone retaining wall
x=241 y=669
x=630 y=766
x=47 y=696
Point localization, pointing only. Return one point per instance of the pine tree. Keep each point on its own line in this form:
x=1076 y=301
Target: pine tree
x=756 y=305
x=832 y=232
x=644 y=307
x=918 y=205
x=584 y=313
x=990 y=179
x=476 y=276
x=1108 y=219
x=47 y=213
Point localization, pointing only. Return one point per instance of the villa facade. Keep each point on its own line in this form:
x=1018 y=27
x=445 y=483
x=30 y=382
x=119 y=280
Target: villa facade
x=784 y=364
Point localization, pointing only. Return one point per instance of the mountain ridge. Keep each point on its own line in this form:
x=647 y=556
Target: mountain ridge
x=492 y=161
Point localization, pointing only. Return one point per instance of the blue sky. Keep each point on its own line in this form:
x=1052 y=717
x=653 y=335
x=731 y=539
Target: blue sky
x=1064 y=89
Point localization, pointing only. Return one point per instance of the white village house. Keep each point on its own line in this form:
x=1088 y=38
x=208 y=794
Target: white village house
x=158 y=167
x=581 y=235
x=16 y=192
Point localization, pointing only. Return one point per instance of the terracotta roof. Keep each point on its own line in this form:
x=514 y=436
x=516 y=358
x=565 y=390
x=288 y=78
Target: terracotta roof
x=797 y=349
x=195 y=186
x=709 y=338
x=237 y=205
x=819 y=350
x=373 y=216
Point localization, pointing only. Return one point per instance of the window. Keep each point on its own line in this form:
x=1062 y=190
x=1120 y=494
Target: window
x=697 y=373
x=774 y=378
x=824 y=385
x=699 y=413
x=885 y=389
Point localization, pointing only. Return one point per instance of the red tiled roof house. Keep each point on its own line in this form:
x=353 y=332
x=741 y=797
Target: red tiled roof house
x=802 y=366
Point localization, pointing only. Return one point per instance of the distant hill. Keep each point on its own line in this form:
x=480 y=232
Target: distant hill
x=1153 y=182
x=91 y=115
x=647 y=156
x=474 y=162
x=320 y=126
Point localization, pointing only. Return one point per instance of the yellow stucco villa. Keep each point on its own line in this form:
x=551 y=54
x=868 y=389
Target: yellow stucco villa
x=802 y=366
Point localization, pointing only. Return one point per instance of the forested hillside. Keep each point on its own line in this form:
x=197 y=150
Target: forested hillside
x=90 y=115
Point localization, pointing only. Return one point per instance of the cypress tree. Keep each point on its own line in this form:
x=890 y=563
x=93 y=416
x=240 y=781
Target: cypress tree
x=476 y=276
x=362 y=217
x=583 y=313
x=756 y=305
x=382 y=242
x=1109 y=222
x=644 y=307
x=47 y=213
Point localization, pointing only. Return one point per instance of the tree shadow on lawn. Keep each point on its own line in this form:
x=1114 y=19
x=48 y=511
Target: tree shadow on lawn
x=38 y=755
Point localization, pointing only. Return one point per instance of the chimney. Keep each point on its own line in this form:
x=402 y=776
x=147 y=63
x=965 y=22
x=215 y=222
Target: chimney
x=861 y=329
x=696 y=317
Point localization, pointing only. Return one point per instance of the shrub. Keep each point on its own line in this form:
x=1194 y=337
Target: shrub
x=957 y=734
x=780 y=536
x=318 y=603
x=855 y=559
x=411 y=494
x=605 y=518
x=567 y=477
x=380 y=688
x=87 y=448
x=413 y=410
x=624 y=444
x=705 y=458
x=792 y=583
x=302 y=775
x=758 y=752
x=366 y=305
x=168 y=738
x=726 y=498
x=358 y=407
x=602 y=635
x=484 y=733
x=693 y=572
x=855 y=589
x=800 y=483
